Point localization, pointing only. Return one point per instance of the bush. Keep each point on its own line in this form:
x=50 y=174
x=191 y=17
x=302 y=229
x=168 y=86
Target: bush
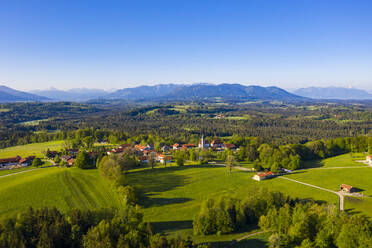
x=127 y=195
x=37 y=162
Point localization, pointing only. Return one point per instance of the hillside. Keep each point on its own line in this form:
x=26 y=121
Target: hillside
x=204 y=91
x=11 y=95
x=63 y=188
x=333 y=93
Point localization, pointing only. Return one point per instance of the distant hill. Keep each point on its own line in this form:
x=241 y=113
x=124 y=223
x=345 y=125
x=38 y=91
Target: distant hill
x=11 y=95
x=145 y=92
x=75 y=95
x=333 y=93
x=203 y=91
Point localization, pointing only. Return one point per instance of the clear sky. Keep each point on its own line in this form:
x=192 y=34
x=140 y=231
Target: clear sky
x=118 y=44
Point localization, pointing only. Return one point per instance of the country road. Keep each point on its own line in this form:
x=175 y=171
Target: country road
x=341 y=196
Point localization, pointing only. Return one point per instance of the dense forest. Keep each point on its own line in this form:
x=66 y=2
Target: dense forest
x=275 y=123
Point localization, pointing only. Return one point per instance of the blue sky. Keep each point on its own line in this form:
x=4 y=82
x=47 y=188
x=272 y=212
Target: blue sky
x=118 y=44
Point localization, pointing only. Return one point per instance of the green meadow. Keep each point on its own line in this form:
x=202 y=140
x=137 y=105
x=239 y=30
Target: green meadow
x=34 y=149
x=171 y=196
x=345 y=160
x=61 y=187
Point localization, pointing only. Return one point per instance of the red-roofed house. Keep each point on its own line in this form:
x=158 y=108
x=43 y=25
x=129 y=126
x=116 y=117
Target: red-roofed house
x=263 y=176
x=161 y=158
x=9 y=161
x=229 y=146
x=141 y=148
x=217 y=143
x=346 y=188
x=188 y=146
x=176 y=146
x=71 y=162
x=369 y=159
x=26 y=161
x=143 y=159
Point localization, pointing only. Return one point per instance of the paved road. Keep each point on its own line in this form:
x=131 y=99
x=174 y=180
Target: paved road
x=341 y=196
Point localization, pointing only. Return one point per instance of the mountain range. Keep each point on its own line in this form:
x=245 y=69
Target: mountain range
x=78 y=94
x=10 y=95
x=203 y=91
x=333 y=93
x=174 y=92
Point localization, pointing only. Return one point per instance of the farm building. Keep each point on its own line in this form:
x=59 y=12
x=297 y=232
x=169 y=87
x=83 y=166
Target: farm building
x=9 y=161
x=26 y=161
x=369 y=159
x=263 y=176
x=346 y=188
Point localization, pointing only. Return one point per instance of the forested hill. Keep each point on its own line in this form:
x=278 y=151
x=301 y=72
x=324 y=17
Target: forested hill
x=204 y=91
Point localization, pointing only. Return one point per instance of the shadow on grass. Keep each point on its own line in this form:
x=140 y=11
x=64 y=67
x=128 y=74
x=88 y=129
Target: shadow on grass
x=170 y=226
x=252 y=243
x=150 y=182
x=150 y=201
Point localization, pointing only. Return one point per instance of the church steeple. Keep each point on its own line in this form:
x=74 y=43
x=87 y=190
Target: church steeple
x=202 y=142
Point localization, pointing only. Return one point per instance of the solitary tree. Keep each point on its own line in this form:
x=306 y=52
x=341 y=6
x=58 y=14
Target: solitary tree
x=152 y=160
x=230 y=162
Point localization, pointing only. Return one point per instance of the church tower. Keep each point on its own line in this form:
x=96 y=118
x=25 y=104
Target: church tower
x=202 y=142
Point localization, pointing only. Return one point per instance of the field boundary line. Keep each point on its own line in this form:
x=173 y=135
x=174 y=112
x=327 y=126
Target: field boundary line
x=340 y=195
x=11 y=174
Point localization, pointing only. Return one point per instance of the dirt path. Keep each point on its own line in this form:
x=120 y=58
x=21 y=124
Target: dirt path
x=11 y=174
x=341 y=196
x=251 y=235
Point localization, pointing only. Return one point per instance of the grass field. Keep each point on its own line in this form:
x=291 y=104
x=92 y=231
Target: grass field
x=34 y=149
x=171 y=196
x=345 y=160
x=61 y=187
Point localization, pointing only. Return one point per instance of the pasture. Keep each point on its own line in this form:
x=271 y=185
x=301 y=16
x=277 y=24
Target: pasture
x=34 y=149
x=171 y=196
x=61 y=187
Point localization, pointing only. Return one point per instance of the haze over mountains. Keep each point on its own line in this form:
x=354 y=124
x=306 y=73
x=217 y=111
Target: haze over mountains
x=174 y=92
x=78 y=94
x=10 y=95
x=333 y=93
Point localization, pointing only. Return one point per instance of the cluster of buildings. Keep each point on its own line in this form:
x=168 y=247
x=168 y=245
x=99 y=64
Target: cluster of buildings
x=16 y=162
x=144 y=152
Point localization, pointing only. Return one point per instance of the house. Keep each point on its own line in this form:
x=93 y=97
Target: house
x=229 y=146
x=188 y=146
x=263 y=176
x=143 y=159
x=163 y=158
x=149 y=152
x=71 y=162
x=346 y=188
x=369 y=159
x=165 y=148
x=9 y=161
x=115 y=150
x=141 y=148
x=176 y=146
x=26 y=161
x=217 y=143
x=65 y=157
x=124 y=146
